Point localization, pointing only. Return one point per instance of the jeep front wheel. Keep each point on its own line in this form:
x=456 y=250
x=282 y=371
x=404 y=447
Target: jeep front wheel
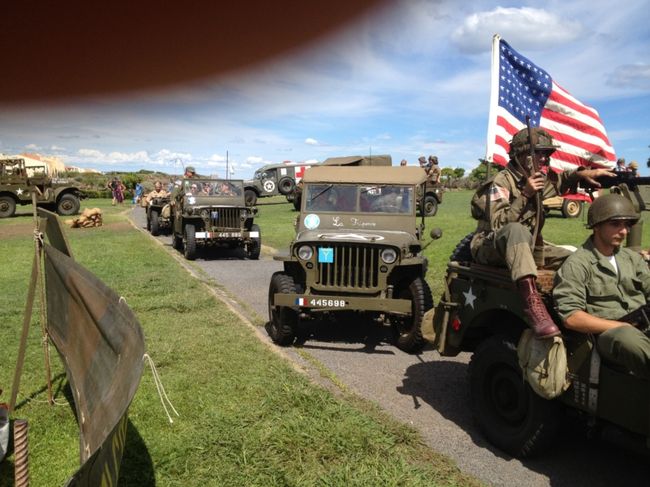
x=283 y=321
x=154 y=223
x=509 y=413
x=409 y=329
x=250 y=197
x=255 y=246
x=430 y=206
x=7 y=206
x=189 y=242
x=68 y=204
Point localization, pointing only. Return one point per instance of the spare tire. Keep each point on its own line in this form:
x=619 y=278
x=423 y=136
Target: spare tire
x=463 y=252
x=286 y=185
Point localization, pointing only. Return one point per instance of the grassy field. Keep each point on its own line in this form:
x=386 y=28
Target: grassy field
x=246 y=416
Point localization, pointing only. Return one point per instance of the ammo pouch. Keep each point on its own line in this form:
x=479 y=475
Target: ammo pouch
x=544 y=364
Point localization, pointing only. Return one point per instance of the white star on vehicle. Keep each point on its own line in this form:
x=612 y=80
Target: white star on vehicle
x=469 y=298
x=19 y=191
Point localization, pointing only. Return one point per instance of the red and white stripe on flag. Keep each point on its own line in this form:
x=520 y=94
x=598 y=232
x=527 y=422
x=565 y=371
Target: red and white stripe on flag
x=521 y=88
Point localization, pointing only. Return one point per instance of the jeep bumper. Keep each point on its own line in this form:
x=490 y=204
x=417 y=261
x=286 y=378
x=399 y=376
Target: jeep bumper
x=319 y=303
x=245 y=235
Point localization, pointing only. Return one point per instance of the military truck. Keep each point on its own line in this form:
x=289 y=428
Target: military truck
x=273 y=180
x=212 y=213
x=158 y=215
x=481 y=312
x=17 y=182
x=357 y=250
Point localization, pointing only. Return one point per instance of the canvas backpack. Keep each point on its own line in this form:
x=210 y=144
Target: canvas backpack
x=544 y=364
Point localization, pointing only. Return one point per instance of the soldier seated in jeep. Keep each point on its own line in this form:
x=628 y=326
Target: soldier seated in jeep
x=509 y=214
x=602 y=282
x=358 y=248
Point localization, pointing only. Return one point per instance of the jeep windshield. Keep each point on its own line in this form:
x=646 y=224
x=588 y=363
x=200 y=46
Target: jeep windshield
x=212 y=187
x=348 y=198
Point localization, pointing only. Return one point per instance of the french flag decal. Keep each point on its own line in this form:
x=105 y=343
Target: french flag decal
x=300 y=301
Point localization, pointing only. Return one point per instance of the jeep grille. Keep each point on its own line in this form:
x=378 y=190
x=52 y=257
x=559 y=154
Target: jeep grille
x=355 y=267
x=225 y=217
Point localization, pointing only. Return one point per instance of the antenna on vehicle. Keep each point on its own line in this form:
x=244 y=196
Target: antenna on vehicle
x=227 y=166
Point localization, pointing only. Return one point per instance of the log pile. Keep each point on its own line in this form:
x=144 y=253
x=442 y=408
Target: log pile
x=90 y=217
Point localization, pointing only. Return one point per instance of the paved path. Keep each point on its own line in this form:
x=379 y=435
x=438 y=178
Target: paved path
x=426 y=391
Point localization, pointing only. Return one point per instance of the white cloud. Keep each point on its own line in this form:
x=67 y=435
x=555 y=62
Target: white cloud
x=90 y=154
x=526 y=28
x=57 y=148
x=32 y=147
x=310 y=141
x=631 y=76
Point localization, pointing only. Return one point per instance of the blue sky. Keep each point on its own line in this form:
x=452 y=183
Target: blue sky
x=407 y=81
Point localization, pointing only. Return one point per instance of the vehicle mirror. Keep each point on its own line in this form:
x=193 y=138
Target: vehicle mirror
x=436 y=233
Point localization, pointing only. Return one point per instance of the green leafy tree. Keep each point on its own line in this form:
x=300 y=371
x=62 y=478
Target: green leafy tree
x=459 y=172
x=447 y=174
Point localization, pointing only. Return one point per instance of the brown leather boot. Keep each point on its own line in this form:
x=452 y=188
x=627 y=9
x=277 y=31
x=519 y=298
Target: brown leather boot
x=538 y=317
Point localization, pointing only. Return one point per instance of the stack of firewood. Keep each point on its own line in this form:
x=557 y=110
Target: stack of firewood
x=90 y=217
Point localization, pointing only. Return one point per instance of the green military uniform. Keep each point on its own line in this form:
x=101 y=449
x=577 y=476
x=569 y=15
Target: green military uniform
x=506 y=221
x=588 y=282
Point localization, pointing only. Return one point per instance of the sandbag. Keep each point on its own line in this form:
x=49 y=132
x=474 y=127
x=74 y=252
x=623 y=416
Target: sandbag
x=544 y=364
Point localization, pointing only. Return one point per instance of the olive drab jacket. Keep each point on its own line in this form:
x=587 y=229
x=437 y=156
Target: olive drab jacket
x=500 y=201
x=587 y=282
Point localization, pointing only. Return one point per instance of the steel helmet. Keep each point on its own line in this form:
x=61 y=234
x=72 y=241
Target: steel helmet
x=542 y=141
x=611 y=207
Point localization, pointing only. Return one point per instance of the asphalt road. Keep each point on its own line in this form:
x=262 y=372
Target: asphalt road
x=426 y=391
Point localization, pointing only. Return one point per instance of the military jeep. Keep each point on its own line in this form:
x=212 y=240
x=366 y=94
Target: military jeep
x=212 y=213
x=481 y=312
x=158 y=216
x=18 y=182
x=358 y=248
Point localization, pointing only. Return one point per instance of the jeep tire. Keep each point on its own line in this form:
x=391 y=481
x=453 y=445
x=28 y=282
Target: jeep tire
x=189 y=242
x=509 y=413
x=408 y=329
x=254 y=248
x=250 y=197
x=154 y=223
x=430 y=205
x=67 y=205
x=283 y=321
x=7 y=206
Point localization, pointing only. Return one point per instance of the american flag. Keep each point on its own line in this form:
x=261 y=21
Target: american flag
x=520 y=88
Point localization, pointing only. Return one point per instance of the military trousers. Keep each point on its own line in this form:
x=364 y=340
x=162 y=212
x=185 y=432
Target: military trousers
x=626 y=346
x=510 y=246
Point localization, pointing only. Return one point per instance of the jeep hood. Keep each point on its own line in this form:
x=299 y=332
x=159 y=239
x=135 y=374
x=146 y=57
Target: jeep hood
x=394 y=238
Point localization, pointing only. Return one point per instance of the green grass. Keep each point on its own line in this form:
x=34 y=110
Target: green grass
x=247 y=417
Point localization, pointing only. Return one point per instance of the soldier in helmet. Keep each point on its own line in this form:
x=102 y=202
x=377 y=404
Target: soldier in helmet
x=506 y=210
x=434 y=170
x=603 y=281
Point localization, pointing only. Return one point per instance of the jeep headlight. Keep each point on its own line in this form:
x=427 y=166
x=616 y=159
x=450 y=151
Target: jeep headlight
x=305 y=252
x=388 y=255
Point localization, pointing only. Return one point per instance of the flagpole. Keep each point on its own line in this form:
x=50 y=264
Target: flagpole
x=494 y=97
